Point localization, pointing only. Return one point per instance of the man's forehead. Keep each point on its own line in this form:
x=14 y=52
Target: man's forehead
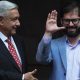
x=74 y=11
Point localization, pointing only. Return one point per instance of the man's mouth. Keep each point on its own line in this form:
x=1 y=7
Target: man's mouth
x=72 y=29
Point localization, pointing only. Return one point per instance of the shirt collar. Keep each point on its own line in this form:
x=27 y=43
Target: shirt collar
x=73 y=46
x=68 y=40
x=3 y=37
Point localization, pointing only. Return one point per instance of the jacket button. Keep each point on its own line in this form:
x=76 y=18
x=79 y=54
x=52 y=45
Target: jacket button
x=64 y=74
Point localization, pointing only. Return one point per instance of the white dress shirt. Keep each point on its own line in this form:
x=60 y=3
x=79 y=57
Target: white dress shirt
x=73 y=61
x=4 y=38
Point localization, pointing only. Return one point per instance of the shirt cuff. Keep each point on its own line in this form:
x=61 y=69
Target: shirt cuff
x=23 y=77
x=47 y=39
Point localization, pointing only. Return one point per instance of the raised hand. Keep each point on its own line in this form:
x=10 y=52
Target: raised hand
x=51 y=23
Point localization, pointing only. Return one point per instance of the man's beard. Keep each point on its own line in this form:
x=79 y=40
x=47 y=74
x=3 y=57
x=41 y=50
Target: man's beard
x=72 y=33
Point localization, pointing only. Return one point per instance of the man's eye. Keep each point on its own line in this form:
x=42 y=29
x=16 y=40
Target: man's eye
x=14 y=19
x=74 y=20
x=66 y=20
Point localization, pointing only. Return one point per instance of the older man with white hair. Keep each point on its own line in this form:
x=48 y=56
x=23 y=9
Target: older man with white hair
x=12 y=53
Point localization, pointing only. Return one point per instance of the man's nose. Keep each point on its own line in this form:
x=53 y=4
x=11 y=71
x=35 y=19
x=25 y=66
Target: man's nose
x=18 y=23
x=71 y=23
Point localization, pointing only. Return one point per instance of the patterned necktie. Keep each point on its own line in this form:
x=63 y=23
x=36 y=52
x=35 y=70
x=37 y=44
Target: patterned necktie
x=14 y=53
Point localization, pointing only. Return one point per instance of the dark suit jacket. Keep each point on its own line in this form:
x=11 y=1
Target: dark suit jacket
x=8 y=68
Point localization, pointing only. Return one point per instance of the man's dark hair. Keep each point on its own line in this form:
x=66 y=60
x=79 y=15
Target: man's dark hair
x=69 y=7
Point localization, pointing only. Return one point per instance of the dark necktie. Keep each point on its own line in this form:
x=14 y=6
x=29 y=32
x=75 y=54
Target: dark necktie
x=13 y=53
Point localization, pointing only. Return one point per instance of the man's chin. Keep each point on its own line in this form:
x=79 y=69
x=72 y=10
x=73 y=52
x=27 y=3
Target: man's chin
x=13 y=33
x=69 y=34
x=72 y=32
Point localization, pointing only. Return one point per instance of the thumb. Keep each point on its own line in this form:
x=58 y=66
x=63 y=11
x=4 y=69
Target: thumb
x=34 y=71
x=61 y=28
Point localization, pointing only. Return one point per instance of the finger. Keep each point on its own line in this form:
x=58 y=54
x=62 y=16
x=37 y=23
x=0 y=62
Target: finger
x=48 y=16
x=54 y=13
x=61 y=28
x=35 y=79
x=34 y=71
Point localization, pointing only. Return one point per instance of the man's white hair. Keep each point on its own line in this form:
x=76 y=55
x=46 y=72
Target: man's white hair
x=5 y=6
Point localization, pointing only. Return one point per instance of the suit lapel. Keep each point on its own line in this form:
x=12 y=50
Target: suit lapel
x=62 y=49
x=6 y=53
x=20 y=50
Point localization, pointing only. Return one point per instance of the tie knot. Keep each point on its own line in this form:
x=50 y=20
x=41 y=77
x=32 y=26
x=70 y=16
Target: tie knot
x=8 y=40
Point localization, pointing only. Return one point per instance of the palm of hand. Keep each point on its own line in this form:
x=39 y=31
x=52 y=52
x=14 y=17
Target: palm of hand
x=51 y=23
